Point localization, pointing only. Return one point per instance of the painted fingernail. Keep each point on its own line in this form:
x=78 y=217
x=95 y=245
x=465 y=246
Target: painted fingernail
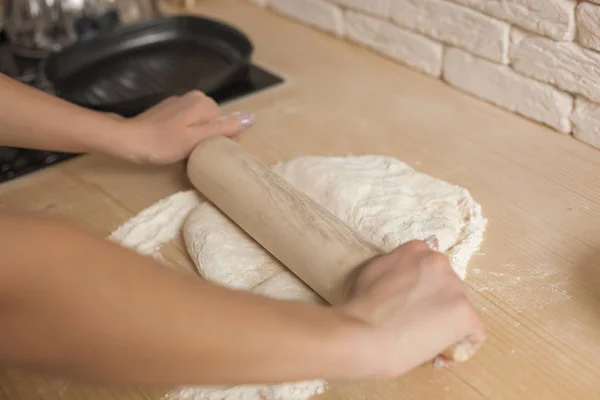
x=432 y=242
x=246 y=120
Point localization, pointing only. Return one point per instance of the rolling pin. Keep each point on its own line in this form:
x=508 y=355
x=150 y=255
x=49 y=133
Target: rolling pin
x=305 y=237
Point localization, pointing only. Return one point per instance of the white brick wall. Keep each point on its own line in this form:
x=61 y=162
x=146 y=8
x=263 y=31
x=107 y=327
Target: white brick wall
x=318 y=13
x=586 y=122
x=407 y=47
x=588 y=25
x=532 y=57
x=504 y=87
x=455 y=25
x=551 y=18
x=379 y=8
x=563 y=64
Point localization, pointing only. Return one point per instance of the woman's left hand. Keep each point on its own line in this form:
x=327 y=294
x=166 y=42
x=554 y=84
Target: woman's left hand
x=169 y=131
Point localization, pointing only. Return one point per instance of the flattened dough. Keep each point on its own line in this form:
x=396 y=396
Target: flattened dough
x=380 y=197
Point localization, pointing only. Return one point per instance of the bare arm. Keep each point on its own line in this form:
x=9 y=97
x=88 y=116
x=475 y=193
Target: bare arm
x=34 y=119
x=163 y=134
x=81 y=306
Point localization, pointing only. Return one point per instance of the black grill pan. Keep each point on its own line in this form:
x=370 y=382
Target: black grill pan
x=136 y=66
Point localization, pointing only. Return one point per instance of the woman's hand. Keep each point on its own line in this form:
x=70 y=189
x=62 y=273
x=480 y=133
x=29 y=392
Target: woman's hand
x=169 y=131
x=414 y=307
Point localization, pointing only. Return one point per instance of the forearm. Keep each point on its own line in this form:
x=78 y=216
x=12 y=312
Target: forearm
x=34 y=119
x=79 y=305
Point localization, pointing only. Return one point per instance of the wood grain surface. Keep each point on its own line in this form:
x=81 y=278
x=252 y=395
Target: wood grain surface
x=536 y=279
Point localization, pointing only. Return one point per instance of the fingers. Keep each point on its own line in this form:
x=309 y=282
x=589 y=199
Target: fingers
x=200 y=108
x=461 y=351
x=435 y=267
x=426 y=245
x=229 y=125
x=470 y=335
x=160 y=107
x=205 y=116
x=413 y=248
x=423 y=255
x=114 y=116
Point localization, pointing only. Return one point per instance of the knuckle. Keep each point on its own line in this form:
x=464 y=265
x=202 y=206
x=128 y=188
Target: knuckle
x=415 y=245
x=195 y=93
x=210 y=101
x=373 y=270
x=209 y=107
x=436 y=261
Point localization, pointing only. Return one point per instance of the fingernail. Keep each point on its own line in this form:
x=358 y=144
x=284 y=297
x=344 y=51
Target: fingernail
x=432 y=242
x=246 y=120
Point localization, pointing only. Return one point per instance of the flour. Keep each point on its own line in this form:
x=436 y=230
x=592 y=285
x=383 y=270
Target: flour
x=288 y=391
x=157 y=224
x=383 y=199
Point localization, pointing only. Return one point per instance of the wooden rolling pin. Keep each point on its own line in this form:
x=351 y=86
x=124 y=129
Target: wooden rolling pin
x=309 y=240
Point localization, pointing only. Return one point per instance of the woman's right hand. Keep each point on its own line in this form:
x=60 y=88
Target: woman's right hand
x=414 y=307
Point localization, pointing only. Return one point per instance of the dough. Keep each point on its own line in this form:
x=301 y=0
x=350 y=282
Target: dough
x=380 y=197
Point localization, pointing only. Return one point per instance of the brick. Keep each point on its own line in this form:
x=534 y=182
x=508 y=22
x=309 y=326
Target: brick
x=564 y=64
x=317 y=13
x=502 y=86
x=455 y=25
x=410 y=48
x=552 y=18
x=586 y=122
x=587 y=16
x=379 y=8
x=516 y=35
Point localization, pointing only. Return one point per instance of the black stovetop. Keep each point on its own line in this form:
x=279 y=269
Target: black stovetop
x=15 y=162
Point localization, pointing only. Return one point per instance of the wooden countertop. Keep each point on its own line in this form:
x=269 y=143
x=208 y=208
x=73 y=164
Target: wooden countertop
x=537 y=278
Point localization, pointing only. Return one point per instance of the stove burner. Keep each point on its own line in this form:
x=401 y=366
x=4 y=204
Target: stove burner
x=15 y=162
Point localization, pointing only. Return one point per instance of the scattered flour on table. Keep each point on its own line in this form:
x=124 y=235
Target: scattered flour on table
x=157 y=224
x=380 y=197
x=525 y=290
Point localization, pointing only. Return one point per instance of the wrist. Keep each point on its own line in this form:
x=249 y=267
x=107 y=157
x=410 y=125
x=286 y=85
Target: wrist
x=353 y=347
x=116 y=137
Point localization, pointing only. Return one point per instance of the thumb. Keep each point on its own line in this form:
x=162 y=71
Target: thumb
x=228 y=125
